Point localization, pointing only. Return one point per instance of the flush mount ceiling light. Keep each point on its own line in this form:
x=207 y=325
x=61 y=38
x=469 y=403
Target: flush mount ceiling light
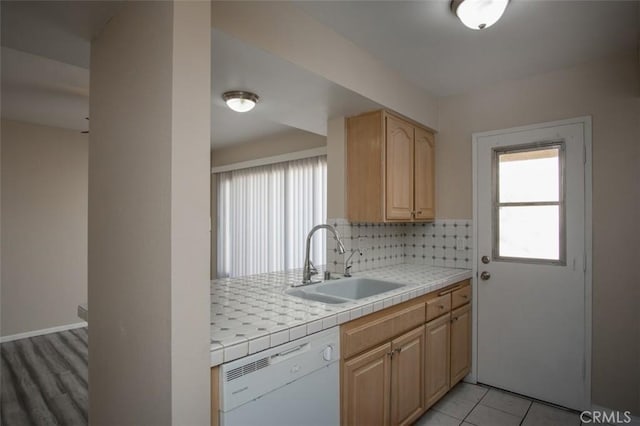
x=479 y=14
x=240 y=101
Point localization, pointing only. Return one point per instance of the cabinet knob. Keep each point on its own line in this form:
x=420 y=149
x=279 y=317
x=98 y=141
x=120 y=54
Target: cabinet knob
x=441 y=306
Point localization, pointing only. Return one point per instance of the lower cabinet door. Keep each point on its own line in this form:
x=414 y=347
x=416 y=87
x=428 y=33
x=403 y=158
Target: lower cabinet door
x=460 y=343
x=366 y=382
x=436 y=359
x=407 y=377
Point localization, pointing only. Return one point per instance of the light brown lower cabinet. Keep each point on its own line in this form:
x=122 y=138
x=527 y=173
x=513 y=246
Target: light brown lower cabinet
x=436 y=360
x=385 y=385
x=460 y=343
x=398 y=362
x=407 y=377
x=366 y=388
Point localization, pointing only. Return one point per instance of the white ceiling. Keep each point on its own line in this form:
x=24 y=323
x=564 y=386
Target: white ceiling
x=427 y=44
x=60 y=30
x=289 y=95
x=422 y=40
x=50 y=84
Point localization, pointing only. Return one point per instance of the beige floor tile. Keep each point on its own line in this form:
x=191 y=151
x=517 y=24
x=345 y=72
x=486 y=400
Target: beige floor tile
x=506 y=402
x=545 y=415
x=487 y=416
x=454 y=406
x=469 y=391
x=436 y=418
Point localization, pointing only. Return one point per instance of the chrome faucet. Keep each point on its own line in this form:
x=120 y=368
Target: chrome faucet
x=347 y=265
x=307 y=270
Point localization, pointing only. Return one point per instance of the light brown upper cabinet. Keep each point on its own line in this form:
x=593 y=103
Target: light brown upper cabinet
x=425 y=176
x=390 y=169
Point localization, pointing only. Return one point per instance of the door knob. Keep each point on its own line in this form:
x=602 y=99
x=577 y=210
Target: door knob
x=485 y=259
x=485 y=275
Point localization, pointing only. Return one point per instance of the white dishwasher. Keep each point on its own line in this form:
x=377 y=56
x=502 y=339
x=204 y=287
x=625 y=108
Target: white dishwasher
x=294 y=384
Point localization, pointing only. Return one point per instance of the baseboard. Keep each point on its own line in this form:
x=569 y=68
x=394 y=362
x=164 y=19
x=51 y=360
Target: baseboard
x=635 y=420
x=34 y=333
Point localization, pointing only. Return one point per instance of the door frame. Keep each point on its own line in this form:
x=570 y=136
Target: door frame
x=588 y=238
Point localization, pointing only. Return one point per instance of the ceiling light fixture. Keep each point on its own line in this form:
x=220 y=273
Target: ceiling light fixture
x=240 y=101
x=479 y=14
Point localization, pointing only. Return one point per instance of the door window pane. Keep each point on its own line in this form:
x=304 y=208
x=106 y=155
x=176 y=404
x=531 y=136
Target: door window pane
x=529 y=176
x=528 y=199
x=530 y=232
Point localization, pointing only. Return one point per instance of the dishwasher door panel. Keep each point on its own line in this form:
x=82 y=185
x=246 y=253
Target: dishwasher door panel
x=312 y=400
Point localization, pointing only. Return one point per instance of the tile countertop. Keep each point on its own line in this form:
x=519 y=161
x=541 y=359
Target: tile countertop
x=251 y=314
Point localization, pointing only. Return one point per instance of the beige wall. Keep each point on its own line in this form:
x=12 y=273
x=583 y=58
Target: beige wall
x=44 y=226
x=282 y=143
x=190 y=241
x=607 y=91
x=148 y=216
x=336 y=163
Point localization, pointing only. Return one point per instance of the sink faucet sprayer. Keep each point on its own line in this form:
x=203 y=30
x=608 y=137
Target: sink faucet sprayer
x=347 y=263
x=306 y=271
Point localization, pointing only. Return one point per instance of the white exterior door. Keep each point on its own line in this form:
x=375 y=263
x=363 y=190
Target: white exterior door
x=532 y=298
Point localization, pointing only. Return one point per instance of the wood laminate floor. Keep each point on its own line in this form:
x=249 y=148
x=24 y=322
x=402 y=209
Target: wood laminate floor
x=44 y=380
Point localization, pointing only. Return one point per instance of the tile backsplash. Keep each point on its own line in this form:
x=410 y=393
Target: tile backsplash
x=445 y=242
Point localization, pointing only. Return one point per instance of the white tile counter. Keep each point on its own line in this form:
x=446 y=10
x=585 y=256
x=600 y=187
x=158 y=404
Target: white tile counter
x=250 y=314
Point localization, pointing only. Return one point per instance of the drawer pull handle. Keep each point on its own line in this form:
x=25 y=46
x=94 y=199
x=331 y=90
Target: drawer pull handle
x=454 y=319
x=464 y=296
x=441 y=306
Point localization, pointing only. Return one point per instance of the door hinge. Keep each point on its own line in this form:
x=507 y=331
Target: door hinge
x=584 y=154
x=584 y=262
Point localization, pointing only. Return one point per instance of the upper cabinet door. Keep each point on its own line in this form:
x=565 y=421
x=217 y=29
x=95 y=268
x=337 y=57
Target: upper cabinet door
x=424 y=175
x=399 y=170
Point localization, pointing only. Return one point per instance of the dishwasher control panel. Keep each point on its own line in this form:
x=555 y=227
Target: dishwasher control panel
x=248 y=378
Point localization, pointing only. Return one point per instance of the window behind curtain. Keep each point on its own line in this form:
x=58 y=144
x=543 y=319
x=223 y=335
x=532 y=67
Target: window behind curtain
x=265 y=213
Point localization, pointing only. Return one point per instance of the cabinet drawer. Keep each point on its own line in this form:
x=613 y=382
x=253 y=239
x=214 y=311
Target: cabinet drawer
x=371 y=330
x=438 y=306
x=460 y=296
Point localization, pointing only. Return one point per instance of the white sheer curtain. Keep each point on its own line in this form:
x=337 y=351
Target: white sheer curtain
x=265 y=213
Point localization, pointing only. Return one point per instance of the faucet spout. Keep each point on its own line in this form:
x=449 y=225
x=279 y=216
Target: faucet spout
x=306 y=271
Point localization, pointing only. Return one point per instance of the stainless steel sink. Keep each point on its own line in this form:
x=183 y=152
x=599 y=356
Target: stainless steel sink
x=344 y=290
